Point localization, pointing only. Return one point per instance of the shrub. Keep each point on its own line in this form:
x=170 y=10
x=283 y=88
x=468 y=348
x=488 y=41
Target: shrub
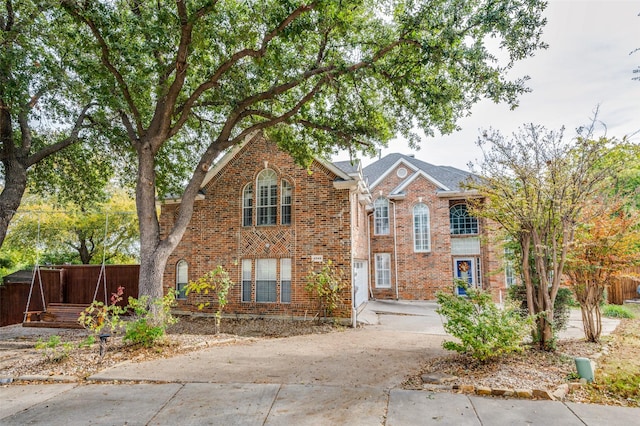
x=326 y=285
x=150 y=320
x=561 y=308
x=617 y=311
x=485 y=331
x=216 y=281
x=99 y=317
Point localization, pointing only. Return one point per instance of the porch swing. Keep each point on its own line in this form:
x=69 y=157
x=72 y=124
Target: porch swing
x=61 y=315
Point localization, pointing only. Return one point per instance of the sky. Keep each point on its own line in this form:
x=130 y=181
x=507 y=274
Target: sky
x=587 y=65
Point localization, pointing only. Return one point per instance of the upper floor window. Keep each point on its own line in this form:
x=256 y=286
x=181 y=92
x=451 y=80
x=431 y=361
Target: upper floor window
x=381 y=216
x=267 y=197
x=247 y=205
x=421 y=228
x=261 y=200
x=182 y=279
x=461 y=222
x=285 y=203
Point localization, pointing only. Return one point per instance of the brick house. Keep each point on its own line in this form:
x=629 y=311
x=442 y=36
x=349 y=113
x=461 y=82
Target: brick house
x=422 y=234
x=269 y=222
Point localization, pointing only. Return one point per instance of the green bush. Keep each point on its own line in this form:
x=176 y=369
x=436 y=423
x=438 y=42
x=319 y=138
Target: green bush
x=561 y=308
x=141 y=332
x=217 y=282
x=617 y=311
x=484 y=330
x=326 y=286
x=150 y=321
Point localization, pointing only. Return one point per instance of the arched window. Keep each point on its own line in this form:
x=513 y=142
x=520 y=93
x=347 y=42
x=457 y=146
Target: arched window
x=247 y=205
x=267 y=197
x=182 y=279
x=381 y=216
x=461 y=222
x=421 y=228
x=285 y=203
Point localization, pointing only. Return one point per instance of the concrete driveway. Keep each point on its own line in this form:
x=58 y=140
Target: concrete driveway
x=398 y=339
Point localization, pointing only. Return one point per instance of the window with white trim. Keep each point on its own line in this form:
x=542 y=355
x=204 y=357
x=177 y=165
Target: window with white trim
x=462 y=223
x=381 y=216
x=285 y=280
x=246 y=280
x=266 y=282
x=421 y=228
x=285 y=203
x=247 y=205
x=272 y=277
x=267 y=193
x=383 y=270
x=509 y=269
x=182 y=279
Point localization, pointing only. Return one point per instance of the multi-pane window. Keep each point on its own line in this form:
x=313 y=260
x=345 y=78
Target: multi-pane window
x=461 y=222
x=509 y=270
x=383 y=270
x=266 y=282
x=246 y=280
x=381 y=216
x=421 y=229
x=247 y=205
x=267 y=197
x=182 y=279
x=285 y=280
x=285 y=203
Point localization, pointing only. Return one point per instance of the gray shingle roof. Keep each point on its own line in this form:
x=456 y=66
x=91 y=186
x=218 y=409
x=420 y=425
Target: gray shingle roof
x=347 y=166
x=450 y=177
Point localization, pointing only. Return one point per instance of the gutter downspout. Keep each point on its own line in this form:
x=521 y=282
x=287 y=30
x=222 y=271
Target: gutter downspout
x=395 y=248
x=369 y=215
x=354 y=312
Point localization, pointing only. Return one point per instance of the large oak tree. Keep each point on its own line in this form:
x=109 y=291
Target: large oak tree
x=202 y=75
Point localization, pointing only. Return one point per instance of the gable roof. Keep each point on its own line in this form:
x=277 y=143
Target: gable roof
x=348 y=175
x=446 y=178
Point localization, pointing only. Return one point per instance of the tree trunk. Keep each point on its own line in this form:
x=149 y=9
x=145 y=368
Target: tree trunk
x=15 y=173
x=14 y=186
x=589 y=294
x=154 y=251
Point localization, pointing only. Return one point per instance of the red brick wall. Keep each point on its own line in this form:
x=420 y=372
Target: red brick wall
x=321 y=225
x=419 y=275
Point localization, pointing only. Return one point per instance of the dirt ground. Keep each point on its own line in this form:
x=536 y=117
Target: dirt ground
x=294 y=351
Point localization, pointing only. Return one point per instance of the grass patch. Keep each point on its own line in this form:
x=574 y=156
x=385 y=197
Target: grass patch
x=617 y=311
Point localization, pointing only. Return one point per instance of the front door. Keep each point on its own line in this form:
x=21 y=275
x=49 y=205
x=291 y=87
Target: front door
x=464 y=269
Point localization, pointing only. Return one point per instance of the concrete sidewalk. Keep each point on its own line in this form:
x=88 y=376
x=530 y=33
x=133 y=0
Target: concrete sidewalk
x=201 y=392
x=273 y=404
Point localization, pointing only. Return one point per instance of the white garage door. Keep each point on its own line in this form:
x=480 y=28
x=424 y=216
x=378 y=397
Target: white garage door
x=361 y=281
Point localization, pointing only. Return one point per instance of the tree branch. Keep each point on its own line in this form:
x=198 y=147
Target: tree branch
x=72 y=138
x=185 y=109
x=71 y=7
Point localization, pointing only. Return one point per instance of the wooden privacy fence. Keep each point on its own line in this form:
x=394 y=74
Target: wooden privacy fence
x=75 y=284
x=622 y=289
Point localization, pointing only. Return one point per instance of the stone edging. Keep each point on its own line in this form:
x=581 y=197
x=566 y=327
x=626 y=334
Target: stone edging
x=442 y=382
x=556 y=395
